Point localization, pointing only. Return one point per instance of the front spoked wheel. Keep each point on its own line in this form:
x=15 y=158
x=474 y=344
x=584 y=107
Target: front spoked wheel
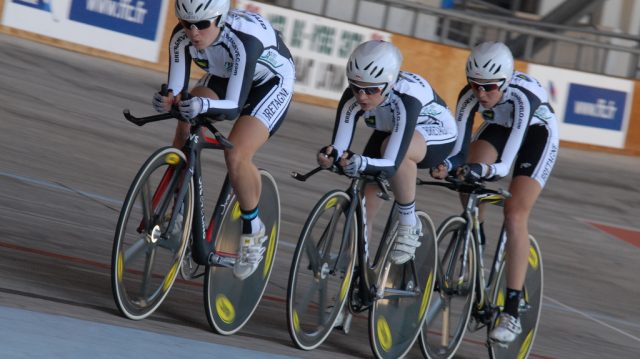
x=529 y=310
x=148 y=248
x=453 y=296
x=229 y=301
x=397 y=316
x=321 y=271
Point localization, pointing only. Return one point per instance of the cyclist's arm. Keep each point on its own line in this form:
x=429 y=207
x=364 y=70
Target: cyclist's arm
x=466 y=108
x=406 y=110
x=524 y=105
x=179 y=60
x=345 y=123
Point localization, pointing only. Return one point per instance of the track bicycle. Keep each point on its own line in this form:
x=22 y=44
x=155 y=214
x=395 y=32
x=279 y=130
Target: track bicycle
x=465 y=297
x=163 y=217
x=331 y=267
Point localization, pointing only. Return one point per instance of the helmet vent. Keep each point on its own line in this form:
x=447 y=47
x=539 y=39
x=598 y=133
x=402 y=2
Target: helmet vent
x=497 y=70
x=207 y=4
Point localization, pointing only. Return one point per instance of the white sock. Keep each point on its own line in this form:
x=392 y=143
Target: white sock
x=407 y=213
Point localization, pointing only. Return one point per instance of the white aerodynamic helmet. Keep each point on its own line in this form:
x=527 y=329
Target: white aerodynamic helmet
x=375 y=61
x=491 y=61
x=198 y=10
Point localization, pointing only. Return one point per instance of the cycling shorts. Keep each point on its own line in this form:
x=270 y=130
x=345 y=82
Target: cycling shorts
x=537 y=154
x=268 y=102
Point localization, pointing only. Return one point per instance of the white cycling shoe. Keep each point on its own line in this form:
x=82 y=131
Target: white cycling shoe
x=251 y=253
x=406 y=241
x=507 y=330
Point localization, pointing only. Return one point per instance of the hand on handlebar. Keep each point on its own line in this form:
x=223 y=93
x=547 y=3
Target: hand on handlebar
x=352 y=164
x=192 y=107
x=440 y=172
x=162 y=103
x=473 y=172
x=327 y=156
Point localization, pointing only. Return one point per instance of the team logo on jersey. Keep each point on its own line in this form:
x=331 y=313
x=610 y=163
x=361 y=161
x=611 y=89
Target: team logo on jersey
x=370 y=121
x=270 y=58
x=432 y=110
x=523 y=77
x=202 y=63
x=488 y=114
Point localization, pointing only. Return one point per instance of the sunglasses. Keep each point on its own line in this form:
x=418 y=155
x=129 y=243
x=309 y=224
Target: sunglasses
x=485 y=86
x=369 y=90
x=200 y=25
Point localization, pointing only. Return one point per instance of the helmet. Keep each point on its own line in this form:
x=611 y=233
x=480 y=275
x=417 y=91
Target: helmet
x=198 y=10
x=375 y=61
x=491 y=61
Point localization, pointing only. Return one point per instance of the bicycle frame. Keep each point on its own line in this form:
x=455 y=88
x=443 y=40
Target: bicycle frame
x=203 y=244
x=367 y=291
x=484 y=284
x=477 y=194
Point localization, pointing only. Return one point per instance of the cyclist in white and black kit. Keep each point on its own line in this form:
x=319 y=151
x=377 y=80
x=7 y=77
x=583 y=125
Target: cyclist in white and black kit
x=249 y=78
x=412 y=128
x=519 y=127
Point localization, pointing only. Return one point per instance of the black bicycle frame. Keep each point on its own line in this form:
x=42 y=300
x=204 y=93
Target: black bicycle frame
x=203 y=244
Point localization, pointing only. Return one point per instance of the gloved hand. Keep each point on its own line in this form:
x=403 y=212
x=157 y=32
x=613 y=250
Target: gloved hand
x=440 y=171
x=354 y=165
x=193 y=107
x=327 y=156
x=161 y=103
x=473 y=172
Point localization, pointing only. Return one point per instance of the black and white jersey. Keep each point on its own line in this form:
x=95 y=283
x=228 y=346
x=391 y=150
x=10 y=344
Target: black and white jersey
x=411 y=104
x=247 y=53
x=524 y=103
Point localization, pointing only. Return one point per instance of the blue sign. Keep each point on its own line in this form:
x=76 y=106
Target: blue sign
x=37 y=4
x=132 y=17
x=595 y=107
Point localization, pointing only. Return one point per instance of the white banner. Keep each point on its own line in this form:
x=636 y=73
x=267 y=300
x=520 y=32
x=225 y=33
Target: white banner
x=320 y=46
x=591 y=108
x=128 y=27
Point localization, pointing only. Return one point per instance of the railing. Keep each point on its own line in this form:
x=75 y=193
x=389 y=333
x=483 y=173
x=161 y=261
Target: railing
x=555 y=45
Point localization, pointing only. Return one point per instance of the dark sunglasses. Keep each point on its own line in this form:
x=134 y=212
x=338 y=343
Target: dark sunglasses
x=370 y=90
x=486 y=87
x=200 y=25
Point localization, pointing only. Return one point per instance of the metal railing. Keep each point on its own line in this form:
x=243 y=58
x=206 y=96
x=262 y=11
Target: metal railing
x=570 y=47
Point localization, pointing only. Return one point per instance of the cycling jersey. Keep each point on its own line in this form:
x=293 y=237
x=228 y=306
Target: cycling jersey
x=412 y=105
x=523 y=104
x=248 y=53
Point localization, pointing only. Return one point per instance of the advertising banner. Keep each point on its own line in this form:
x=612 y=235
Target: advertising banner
x=129 y=27
x=320 y=46
x=591 y=109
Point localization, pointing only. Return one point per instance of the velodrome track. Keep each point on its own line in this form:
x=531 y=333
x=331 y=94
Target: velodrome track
x=67 y=157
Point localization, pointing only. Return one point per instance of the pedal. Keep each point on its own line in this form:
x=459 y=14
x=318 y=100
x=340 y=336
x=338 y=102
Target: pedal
x=221 y=261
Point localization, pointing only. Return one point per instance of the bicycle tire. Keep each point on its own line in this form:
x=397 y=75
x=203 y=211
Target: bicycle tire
x=529 y=309
x=452 y=302
x=316 y=292
x=230 y=302
x=396 y=319
x=144 y=263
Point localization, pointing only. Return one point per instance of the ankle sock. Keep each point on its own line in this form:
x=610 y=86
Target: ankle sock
x=512 y=302
x=407 y=213
x=250 y=221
